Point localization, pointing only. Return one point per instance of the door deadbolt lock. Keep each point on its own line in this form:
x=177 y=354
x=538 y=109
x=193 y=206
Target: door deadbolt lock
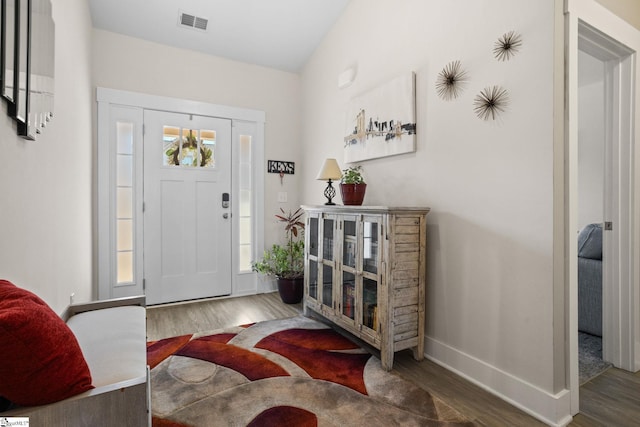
x=225 y=200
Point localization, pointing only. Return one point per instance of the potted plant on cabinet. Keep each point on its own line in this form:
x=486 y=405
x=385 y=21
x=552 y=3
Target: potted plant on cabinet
x=352 y=186
x=286 y=262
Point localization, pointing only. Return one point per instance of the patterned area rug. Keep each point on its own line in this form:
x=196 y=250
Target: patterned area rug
x=289 y=372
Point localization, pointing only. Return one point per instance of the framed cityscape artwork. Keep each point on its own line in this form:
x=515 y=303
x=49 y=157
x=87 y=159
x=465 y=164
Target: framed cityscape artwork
x=382 y=122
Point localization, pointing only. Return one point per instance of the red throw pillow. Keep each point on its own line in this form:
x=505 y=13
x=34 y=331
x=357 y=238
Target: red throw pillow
x=40 y=359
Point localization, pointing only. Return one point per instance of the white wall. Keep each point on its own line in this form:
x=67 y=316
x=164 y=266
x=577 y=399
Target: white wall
x=590 y=139
x=45 y=185
x=629 y=10
x=126 y=63
x=489 y=184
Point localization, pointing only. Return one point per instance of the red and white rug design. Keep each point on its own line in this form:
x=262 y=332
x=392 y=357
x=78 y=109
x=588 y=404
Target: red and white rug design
x=290 y=372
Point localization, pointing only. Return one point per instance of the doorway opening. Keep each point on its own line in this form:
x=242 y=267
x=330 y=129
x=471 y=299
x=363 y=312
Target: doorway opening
x=592 y=122
x=178 y=199
x=610 y=46
x=610 y=131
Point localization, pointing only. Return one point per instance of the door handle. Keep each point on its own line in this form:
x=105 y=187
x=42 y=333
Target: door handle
x=225 y=215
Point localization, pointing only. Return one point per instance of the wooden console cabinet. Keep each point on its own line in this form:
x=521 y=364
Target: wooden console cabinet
x=365 y=272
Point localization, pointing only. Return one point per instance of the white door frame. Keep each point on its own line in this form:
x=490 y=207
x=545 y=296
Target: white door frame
x=249 y=120
x=105 y=197
x=587 y=21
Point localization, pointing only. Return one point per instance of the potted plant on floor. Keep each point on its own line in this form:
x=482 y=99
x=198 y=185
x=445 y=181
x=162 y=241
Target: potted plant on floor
x=352 y=186
x=286 y=262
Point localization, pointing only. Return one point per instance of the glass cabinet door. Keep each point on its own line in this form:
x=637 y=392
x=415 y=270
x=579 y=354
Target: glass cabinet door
x=312 y=232
x=327 y=286
x=370 y=237
x=312 y=243
x=348 y=294
x=370 y=303
x=327 y=238
x=370 y=246
x=344 y=277
x=313 y=279
x=349 y=243
x=328 y=231
x=349 y=263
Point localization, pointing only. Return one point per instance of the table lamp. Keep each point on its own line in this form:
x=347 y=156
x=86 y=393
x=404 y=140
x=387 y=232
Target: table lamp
x=330 y=171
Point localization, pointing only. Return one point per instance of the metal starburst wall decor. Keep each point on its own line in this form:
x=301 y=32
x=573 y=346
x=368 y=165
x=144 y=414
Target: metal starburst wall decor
x=490 y=102
x=451 y=81
x=507 y=46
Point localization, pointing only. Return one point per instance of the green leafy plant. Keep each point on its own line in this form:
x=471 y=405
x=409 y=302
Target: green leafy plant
x=190 y=142
x=352 y=175
x=285 y=261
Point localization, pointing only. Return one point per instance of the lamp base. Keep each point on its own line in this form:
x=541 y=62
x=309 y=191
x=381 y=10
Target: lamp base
x=329 y=193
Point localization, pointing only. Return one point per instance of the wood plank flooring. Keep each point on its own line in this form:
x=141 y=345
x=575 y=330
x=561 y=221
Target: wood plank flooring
x=170 y=320
x=611 y=399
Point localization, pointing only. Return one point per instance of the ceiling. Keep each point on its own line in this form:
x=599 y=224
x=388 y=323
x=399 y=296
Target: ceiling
x=280 y=34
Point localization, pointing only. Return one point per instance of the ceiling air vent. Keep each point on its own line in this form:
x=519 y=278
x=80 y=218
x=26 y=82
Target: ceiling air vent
x=192 y=21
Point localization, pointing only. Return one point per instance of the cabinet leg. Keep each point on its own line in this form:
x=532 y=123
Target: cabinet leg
x=418 y=353
x=418 y=350
x=386 y=358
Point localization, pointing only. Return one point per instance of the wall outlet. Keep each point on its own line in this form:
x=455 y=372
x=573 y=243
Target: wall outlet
x=282 y=197
x=72 y=298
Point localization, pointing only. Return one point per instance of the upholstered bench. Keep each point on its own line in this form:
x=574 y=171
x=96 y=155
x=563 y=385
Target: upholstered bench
x=112 y=338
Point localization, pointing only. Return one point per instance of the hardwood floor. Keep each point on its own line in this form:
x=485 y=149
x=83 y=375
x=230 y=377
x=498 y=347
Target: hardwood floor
x=611 y=399
x=165 y=321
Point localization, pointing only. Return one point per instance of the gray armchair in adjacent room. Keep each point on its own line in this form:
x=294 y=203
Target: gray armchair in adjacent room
x=590 y=280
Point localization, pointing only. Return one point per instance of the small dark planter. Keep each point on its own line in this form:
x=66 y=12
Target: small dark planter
x=353 y=194
x=291 y=290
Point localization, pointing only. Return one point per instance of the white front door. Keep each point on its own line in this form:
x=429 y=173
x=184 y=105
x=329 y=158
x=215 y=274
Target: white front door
x=187 y=212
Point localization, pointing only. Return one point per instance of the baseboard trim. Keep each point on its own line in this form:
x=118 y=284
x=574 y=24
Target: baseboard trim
x=551 y=409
